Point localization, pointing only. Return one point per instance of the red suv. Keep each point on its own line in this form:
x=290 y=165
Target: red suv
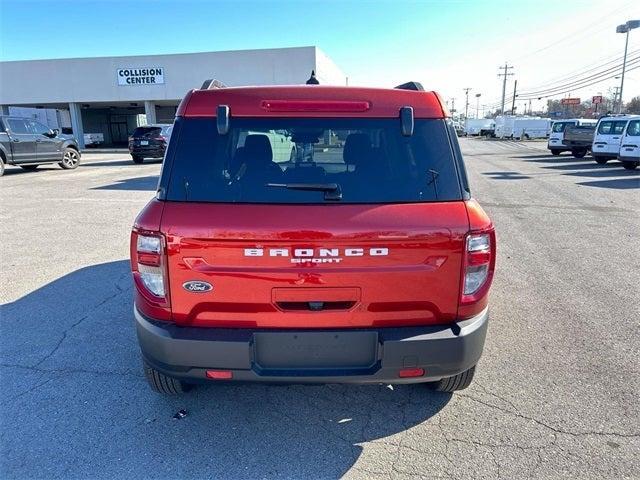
x=312 y=234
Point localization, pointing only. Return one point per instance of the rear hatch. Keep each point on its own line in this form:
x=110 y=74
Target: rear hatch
x=147 y=138
x=362 y=227
x=608 y=135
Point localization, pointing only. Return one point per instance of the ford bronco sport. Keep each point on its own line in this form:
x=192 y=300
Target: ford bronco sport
x=360 y=259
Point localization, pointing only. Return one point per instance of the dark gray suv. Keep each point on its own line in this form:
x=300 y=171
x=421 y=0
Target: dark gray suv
x=27 y=143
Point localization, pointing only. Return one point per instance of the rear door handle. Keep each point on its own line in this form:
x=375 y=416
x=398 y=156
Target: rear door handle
x=38 y=140
x=16 y=140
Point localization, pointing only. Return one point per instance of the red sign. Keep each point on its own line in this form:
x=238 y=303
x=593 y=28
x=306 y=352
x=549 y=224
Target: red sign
x=570 y=101
x=597 y=99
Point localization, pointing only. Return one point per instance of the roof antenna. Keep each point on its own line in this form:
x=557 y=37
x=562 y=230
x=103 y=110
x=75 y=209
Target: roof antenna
x=312 y=79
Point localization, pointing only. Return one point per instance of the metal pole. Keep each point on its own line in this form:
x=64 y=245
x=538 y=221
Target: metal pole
x=513 y=104
x=466 y=103
x=504 y=88
x=624 y=67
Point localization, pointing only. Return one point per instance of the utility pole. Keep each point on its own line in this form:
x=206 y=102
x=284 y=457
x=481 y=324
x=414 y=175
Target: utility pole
x=504 y=74
x=625 y=28
x=478 y=105
x=466 y=104
x=453 y=106
x=513 y=103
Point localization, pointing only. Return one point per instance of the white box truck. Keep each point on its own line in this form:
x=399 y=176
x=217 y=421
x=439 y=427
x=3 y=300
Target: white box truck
x=484 y=127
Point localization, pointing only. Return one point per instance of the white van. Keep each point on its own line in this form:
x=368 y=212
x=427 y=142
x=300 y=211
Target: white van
x=629 y=153
x=479 y=126
x=557 y=133
x=606 y=141
x=526 y=128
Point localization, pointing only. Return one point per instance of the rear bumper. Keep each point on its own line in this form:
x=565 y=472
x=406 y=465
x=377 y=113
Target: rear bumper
x=187 y=352
x=150 y=152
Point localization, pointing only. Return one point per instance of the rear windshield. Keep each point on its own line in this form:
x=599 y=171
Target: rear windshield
x=311 y=161
x=611 y=127
x=560 y=126
x=147 y=132
x=633 y=130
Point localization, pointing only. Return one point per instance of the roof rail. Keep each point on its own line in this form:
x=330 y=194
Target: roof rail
x=212 y=83
x=417 y=86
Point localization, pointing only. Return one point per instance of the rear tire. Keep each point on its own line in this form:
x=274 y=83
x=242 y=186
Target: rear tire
x=161 y=383
x=555 y=152
x=579 y=153
x=630 y=165
x=70 y=159
x=457 y=382
x=137 y=159
x=29 y=167
x=601 y=160
x=1 y=166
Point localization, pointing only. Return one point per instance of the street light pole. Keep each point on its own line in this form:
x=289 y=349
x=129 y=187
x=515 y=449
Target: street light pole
x=466 y=103
x=625 y=28
x=478 y=105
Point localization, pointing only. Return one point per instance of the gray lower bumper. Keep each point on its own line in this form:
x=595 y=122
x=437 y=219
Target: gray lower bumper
x=187 y=352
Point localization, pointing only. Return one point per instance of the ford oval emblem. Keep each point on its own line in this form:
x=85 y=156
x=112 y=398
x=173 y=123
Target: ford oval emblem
x=196 y=286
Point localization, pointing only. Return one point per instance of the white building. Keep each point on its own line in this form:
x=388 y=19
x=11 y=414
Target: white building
x=108 y=94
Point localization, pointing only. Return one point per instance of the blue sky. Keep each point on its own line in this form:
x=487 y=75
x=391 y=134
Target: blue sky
x=448 y=45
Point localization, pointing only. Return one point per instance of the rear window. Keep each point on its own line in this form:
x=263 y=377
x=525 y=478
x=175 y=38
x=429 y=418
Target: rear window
x=633 y=130
x=146 y=132
x=310 y=161
x=560 y=126
x=611 y=127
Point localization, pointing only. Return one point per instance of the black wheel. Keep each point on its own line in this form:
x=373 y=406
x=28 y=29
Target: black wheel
x=70 y=159
x=1 y=166
x=630 y=165
x=29 y=167
x=457 y=382
x=526 y=136
x=160 y=383
x=601 y=160
x=137 y=159
x=555 y=152
x=579 y=152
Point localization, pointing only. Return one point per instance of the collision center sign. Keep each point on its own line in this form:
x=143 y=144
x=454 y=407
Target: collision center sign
x=140 y=76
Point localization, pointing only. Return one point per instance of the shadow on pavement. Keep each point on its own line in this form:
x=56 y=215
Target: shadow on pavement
x=506 y=175
x=592 y=165
x=75 y=403
x=617 y=183
x=120 y=163
x=16 y=170
x=149 y=183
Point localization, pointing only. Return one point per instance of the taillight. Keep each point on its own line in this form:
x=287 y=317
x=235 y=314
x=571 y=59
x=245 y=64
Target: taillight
x=149 y=253
x=479 y=262
x=161 y=139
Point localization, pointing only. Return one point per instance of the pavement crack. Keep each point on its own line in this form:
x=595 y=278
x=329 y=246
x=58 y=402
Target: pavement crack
x=78 y=322
x=548 y=426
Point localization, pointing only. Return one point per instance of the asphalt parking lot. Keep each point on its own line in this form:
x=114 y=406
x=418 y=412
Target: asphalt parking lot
x=555 y=396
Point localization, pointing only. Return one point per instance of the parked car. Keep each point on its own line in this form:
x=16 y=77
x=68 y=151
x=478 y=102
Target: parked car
x=579 y=138
x=629 y=153
x=606 y=141
x=366 y=262
x=556 y=137
x=27 y=143
x=93 y=140
x=149 y=141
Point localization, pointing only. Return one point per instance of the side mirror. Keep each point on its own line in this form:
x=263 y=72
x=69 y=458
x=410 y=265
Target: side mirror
x=55 y=132
x=406 y=121
x=222 y=119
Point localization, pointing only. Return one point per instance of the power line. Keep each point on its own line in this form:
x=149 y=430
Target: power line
x=576 y=84
x=554 y=83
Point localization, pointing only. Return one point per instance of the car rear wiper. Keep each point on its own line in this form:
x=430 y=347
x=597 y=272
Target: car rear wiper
x=332 y=191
